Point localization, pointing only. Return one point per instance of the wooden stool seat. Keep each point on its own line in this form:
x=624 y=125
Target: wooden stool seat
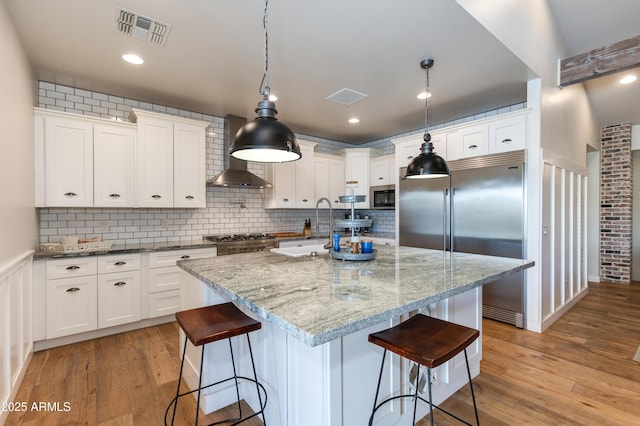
x=429 y=342
x=210 y=324
x=213 y=323
x=426 y=340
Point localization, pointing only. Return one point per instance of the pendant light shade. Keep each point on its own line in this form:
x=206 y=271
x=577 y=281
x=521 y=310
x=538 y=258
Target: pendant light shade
x=265 y=139
x=428 y=164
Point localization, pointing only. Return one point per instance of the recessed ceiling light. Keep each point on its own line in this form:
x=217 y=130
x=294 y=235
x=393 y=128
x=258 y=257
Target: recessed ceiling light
x=354 y=120
x=133 y=59
x=423 y=95
x=628 y=79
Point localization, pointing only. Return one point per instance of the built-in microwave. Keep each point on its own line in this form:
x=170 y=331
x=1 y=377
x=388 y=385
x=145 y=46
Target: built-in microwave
x=383 y=197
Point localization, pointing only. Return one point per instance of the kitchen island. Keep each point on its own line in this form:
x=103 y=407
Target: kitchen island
x=312 y=353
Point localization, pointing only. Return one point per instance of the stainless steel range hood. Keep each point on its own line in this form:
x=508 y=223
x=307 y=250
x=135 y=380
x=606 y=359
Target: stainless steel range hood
x=235 y=173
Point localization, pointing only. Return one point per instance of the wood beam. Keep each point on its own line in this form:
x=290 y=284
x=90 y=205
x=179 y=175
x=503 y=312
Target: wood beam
x=616 y=57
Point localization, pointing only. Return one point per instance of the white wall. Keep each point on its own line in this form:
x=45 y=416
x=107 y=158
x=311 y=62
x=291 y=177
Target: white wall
x=18 y=227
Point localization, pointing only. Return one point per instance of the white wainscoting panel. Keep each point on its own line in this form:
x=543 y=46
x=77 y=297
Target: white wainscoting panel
x=16 y=343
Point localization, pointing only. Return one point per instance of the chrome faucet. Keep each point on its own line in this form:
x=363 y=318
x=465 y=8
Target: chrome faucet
x=330 y=244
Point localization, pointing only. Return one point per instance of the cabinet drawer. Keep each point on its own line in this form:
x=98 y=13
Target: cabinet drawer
x=118 y=263
x=162 y=279
x=71 y=267
x=169 y=258
x=164 y=303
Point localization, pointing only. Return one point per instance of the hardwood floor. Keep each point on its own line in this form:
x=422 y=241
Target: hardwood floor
x=125 y=379
x=578 y=372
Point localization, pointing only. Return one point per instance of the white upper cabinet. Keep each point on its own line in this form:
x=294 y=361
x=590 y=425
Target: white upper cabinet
x=189 y=165
x=114 y=155
x=357 y=162
x=383 y=170
x=469 y=141
x=329 y=179
x=154 y=184
x=171 y=158
x=293 y=182
x=68 y=150
x=83 y=161
x=508 y=134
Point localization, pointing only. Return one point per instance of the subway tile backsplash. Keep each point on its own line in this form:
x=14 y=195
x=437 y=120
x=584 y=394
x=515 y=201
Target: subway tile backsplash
x=229 y=210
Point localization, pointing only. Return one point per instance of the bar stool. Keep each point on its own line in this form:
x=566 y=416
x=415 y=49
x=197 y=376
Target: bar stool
x=210 y=324
x=429 y=342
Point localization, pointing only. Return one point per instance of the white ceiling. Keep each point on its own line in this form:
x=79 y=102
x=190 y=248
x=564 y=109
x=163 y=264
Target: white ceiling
x=213 y=59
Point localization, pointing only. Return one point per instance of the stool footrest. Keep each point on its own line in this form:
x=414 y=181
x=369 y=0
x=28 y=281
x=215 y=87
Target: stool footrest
x=238 y=420
x=411 y=395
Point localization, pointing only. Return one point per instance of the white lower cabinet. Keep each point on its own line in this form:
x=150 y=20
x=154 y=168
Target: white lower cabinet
x=92 y=293
x=164 y=279
x=118 y=298
x=89 y=293
x=71 y=306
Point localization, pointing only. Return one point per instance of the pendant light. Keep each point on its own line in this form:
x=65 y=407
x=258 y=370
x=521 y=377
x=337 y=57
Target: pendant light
x=265 y=139
x=428 y=164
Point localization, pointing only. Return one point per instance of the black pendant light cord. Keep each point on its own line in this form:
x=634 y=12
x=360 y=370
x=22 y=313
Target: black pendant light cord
x=425 y=65
x=426 y=104
x=264 y=85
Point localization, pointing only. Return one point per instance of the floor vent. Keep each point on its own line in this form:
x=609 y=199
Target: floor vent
x=503 y=315
x=146 y=29
x=346 y=96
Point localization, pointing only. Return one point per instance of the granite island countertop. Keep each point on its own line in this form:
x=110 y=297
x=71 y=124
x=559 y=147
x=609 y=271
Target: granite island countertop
x=319 y=299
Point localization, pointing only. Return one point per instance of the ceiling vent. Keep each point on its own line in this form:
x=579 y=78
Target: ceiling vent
x=346 y=96
x=146 y=29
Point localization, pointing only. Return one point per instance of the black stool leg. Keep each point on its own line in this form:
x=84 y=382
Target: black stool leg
x=375 y=400
x=255 y=376
x=473 y=397
x=235 y=378
x=199 y=384
x=430 y=396
x=415 y=396
x=175 y=400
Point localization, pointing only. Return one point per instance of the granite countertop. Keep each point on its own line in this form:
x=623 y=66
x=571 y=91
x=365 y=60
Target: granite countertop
x=319 y=299
x=127 y=248
x=167 y=246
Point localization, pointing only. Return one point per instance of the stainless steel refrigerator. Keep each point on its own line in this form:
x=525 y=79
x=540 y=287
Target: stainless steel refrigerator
x=481 y=212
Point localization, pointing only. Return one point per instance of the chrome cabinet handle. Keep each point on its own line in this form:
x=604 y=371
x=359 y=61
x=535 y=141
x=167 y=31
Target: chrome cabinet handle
x=70 y=194
x=72 y=290
x=114 y=195
x=506 y=140
x=304 y=200
x=186 y=256
x=473 y=146
x=156 y=196
x=189 y=197
x=119 y=284
x=286 y=200
x=380 y=178
x=72 y=268
x=120 y=263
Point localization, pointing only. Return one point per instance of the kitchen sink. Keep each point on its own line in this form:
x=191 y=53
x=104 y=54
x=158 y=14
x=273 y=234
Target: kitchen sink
x=300 y=251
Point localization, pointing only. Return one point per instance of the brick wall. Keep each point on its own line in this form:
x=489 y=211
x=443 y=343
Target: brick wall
x=616 y=200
